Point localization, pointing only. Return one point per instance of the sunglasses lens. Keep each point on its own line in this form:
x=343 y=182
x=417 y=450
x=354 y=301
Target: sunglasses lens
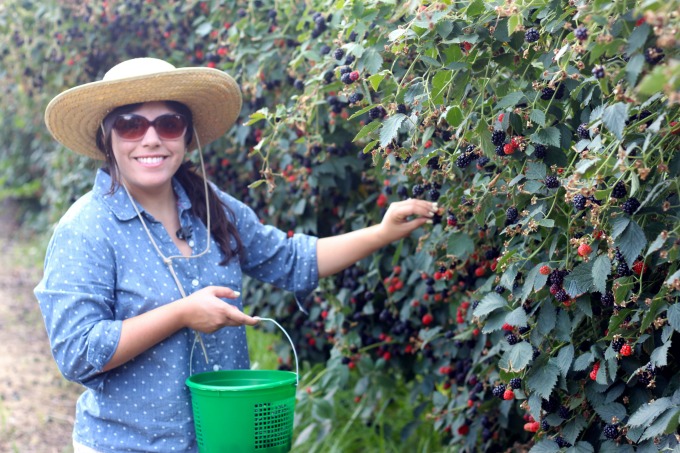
x=170 y=126
x=131 y=127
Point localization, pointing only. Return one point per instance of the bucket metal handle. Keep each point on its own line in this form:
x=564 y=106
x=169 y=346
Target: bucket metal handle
x=297 y=367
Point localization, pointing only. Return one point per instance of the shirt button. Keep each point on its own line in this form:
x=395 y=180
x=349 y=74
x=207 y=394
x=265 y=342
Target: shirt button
x=194 y=282
x=216 y=367
x=191 y=243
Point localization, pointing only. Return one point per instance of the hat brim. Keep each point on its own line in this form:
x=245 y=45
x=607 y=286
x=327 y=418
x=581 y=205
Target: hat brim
x=214 y=98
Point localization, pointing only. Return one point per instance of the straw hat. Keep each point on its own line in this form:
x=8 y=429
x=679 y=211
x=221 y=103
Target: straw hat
x=214 y=98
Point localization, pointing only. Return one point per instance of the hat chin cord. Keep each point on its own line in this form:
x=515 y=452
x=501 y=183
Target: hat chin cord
x=168 y=259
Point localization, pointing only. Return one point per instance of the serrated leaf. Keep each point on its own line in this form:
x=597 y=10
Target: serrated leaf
x=602 y=267
x=517 y=357
x=631 y=242
x=649 y=412
x=583 y=361
x=609 y=410
x=579 y=280
x=581 y=447
x=508 y=277
x=536 y=170
x=460 y=245
x=490 y=302
x=584 y=165
x=657 y=244
x=659 y=356
x=538 y=117
x=543 y=379
x=619 y=226
x=670 y=281
x=376 y=79
x=529 y=283
x=634 y=68
x=454 y=116
x=371 y=61
x=390 y=128
x=494 y=322
x=547 y=317
x=517 y=317
x=549 y=136
x=660 y=424
x=545 y=446
x=367 y=129
x=571 y=431
x=673 y=315
x=564 y=359
x=637 y=38
x=510 y=100
x=614 y=118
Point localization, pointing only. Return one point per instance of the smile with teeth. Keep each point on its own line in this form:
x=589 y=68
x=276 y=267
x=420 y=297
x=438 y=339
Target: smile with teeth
x=150 y=160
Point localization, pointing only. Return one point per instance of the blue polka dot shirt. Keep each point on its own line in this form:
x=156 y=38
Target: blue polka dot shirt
x=101 y=268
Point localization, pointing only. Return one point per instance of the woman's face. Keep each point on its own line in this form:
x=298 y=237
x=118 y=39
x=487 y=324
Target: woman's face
x=147 y=165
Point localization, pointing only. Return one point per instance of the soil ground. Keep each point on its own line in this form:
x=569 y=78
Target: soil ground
x=37 y=405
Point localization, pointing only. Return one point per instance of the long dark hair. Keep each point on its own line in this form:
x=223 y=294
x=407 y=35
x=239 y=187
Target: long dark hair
x=221 y=229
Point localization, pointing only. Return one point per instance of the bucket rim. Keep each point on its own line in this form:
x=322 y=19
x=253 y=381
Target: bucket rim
x=284 y=378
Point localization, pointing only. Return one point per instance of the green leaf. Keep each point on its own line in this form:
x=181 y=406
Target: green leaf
x=564 y=359
x=631 y=242
x=545 y=446
x=547 y=318
x=614 y=118
x=490 y=302
x=673 y=315
x=549 y=136
x=653 y=82
x=517 y=357
x=367 y=129
x=460 y=245
x=637 y=39
x=660 y=424
x=514 y=22
x=454 y=116
x=375 y=79
x=609 y=410
x=542 y=380
x=579 y=280
x=440 y=82
x=510 y=100
x=529 y=283
x=581 y=447
x=659 y=356
x=657 y=244
x=390 y=128
x=536 y=170
x=583 y=361
x=517 y=317
x=371 y=61
x=649 y=412
x=602 y=267
x=634 y=68
x=673 y=278
x=571 y=431
x=204 y=29
x=538 y=117
x=619 y=226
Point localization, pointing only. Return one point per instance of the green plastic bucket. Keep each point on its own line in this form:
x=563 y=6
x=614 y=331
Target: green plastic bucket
x=244 y=410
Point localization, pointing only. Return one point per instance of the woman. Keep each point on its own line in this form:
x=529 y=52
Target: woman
x=149 y=264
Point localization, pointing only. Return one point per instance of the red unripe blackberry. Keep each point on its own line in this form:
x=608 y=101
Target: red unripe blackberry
x=584 y=250
x=427 y=319
x=354 y=75
x=544 y=270
x=532 y=35
x=626 y=350
x=508 y=149
x=508 y=394
x=532 y=427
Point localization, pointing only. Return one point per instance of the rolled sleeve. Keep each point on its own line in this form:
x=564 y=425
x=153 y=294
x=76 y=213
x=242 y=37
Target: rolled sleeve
x=76 y=299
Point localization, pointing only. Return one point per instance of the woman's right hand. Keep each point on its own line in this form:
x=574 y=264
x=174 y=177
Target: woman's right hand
x=206 y=312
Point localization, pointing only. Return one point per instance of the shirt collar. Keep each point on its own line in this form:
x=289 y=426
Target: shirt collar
x=119 y=202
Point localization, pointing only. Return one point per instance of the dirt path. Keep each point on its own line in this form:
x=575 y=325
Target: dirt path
x=36 y=402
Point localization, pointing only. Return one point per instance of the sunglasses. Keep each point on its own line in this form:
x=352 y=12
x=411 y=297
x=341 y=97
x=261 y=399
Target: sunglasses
x=169 y=126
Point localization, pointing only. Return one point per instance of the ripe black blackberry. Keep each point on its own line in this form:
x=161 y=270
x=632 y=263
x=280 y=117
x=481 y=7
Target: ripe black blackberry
x=355 y=97
x=515 y=383
x=499 y=151
x=418 y=190
x=551 y=182
x=545 y=426
x=482 y=161
x=498 y=137
x=434 y=194
x=607 y=299
x=401 y=108
x=339 y=53
x=511 y=215
x=622 y=269
x=328 y=76
x=299 y=85
x=376 y=112
x=619 y=190
x=561 y=295
x=325 y=49
x=346 y=78
x=463 y=160
x=512 y=339
x=498 y=391
x=433 y=163
x=579 y=202
x=350 y=59
x=653 y=55
x=556 y=277
x=598 y=71
x=583 y=132
x=559 y=93
x=540 y=151
x=522 y=330
x=563 y=412
x=550 y=405
x=630 y=205
x=500 y=289
x=547 y=93
x=532 y=35
x=581 y=33
x=611 y=431
x=617 y=343
x=562 y=442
